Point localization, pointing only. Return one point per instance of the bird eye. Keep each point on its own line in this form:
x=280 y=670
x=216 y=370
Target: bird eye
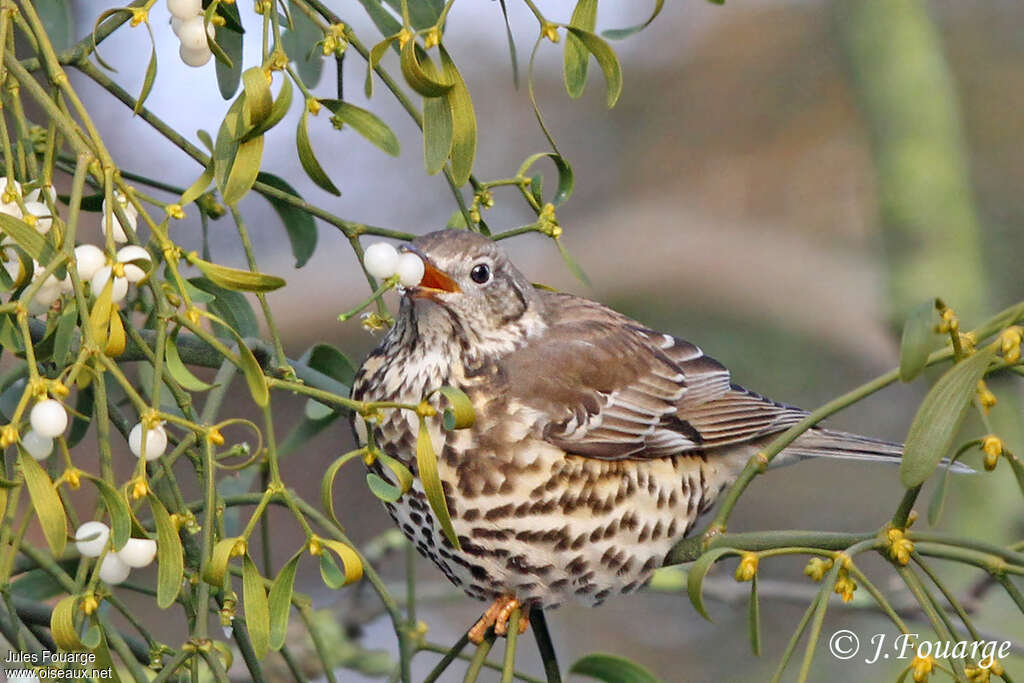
x=480 y=274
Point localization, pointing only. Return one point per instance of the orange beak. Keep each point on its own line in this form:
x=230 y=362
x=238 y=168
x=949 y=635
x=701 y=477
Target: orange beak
x=434 y=280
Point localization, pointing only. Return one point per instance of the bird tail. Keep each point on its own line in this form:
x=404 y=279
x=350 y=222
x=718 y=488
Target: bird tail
x=827 y=443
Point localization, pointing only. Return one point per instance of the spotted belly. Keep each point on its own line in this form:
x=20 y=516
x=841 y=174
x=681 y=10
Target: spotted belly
x=554 y=528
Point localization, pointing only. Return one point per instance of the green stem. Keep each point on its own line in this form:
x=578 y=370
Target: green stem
x=479 y=657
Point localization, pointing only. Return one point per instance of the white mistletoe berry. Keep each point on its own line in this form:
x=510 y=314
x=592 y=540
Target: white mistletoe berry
x=185 y=9
x=126 y=255
x=91 y=538
x=410 y=269
x=381 y=260
x=194 y=34
x=49 y=418
x=89 y=259
x=37 y=445
x=130 y=213
x=99 y=281
x=43 y=217
x=36 y=195
x=113 y=570
x=156 y=441
x=138 y=552
x=195 y=57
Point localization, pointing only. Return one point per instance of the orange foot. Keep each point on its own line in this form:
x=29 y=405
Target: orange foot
x=497 y=615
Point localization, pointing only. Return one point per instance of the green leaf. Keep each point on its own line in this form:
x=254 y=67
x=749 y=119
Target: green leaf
x=422 y=13
x=196 y=189
x=577 y=57
x=365 y=123
x=37 y=585
x=566 y=181
x=383 y=490
x=939 y=417
x=147 y=82
x=696 y=574
x=170 y=556
x=606 y=59
x=117 y=508
x=296 y=43
x=754 y=618
x=919 y=340
x=217 y=567
x=222 y=56
x=376 y=53
x=235 y=164
x=426 y=463
x=258 y=98
x=257 y=609
x=418 y=79
x=231 y=307
x=253 y=375
x=460 y=413
x=62 y=625
x=46 y=503
x=330 y=361
x=308 y=160
x=351 y=569
x=619 y=33
x=280 y=601
x=67 y=325
x=58 y=22
x=382 y=19
x=234 y=278
x=26 y=237
x=511 y=46
x=612 y=669
x=437 y=126
x=300 y=226
x=327 y=484
x=177 y=370
x=463 y=121
x=277 y=112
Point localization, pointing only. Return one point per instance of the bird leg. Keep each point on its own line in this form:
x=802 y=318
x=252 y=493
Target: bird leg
x=497 y=615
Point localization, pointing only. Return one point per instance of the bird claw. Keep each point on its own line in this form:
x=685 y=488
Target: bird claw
x=498 y=615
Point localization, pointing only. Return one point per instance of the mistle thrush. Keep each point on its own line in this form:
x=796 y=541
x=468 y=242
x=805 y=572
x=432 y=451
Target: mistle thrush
x=597 y=441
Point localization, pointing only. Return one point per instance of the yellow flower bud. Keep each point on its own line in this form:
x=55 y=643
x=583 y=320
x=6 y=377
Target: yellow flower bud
x=922 y=668
x=313 y=106
x=8 y=435
x=140 y=489
x=817 y=568
x=89 y=603
x=432 y=38
x=747 y=568
x=239 y=548
x=845 y=586
x=58 y=389
x=193 y=315
x=985 y=397
x=73 y=478
x=315 y=546
x=404 y=36
x=175 y=211
x=900 y=546
x=1010 y=342
x=139 y=16
x=214 y=436
x=549 y=31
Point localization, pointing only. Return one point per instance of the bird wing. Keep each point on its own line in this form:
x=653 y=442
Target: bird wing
x=610 y=388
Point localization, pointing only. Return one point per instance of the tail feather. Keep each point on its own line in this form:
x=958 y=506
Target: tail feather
x=827 y=443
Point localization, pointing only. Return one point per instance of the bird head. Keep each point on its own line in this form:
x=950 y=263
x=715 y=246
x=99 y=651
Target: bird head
x=468 y=276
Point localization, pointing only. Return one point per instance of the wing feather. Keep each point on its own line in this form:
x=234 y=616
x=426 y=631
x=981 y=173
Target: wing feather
x=622 y=390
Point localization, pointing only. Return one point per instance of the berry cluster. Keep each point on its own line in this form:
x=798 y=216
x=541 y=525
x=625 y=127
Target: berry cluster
x=383 y=261
x=188 y=24
x=93 y=540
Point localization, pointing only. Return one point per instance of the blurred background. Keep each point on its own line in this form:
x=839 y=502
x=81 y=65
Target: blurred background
x=780 y=183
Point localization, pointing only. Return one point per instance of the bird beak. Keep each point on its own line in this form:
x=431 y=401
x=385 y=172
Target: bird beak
x=434 y=279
